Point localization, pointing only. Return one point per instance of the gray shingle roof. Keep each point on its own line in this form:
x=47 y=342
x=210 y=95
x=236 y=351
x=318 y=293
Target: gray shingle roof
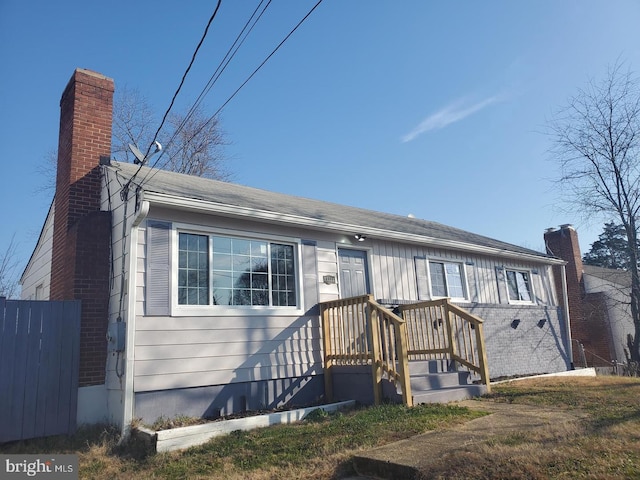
x=224 y=193
x=620 y=277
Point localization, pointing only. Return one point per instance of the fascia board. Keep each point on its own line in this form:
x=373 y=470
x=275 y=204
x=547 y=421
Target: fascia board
x=182 y=203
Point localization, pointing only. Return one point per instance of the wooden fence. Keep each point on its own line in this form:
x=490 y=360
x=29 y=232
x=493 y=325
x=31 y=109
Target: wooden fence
x=39 y=359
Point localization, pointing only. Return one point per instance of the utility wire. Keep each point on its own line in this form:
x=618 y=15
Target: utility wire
x=184 y=76
x=233 y=49
x=152 y=171
x=229 y=55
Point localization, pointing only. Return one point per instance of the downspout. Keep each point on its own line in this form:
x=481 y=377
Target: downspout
x=565 y=298
x=128 y=403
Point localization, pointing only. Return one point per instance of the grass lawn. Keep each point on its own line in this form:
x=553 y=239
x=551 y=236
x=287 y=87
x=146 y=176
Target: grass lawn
x=605 y=444
x=318 y=448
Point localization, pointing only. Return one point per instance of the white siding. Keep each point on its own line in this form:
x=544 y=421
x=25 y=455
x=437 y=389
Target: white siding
x=37 y=275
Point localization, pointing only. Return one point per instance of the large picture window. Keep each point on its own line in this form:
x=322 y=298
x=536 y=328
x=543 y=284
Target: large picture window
x=242 y=272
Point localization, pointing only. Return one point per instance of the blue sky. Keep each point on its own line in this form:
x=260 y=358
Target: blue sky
x=436 y=109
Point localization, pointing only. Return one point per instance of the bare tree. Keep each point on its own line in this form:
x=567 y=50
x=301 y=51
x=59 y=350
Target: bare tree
x=133 y=122
x=9 y=271
x=597 y=141
x=193 y=142
x=196 y=148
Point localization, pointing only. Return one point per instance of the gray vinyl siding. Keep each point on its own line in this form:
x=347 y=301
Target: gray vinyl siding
x=199 y=351
x=394 y=274
x=190 y=352
x=327 y=266
x=310 y=275
x=186 y=352
x=118 y=300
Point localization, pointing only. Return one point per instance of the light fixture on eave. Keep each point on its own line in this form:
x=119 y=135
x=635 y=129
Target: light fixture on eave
x=359 y=237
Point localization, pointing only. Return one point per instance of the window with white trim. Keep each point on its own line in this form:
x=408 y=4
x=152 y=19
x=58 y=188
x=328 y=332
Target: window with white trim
x=519 y=286
x=447 y=279
x=232 y=271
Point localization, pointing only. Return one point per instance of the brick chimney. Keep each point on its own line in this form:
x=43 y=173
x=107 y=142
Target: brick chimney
x=563 y=243
x=588 y=324
x=81 y=232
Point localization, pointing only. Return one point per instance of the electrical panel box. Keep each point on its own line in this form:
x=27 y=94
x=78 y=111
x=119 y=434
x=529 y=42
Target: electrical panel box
x=116 y=334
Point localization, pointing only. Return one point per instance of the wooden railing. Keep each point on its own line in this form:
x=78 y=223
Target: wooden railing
x=359 y=331
x=440 y=330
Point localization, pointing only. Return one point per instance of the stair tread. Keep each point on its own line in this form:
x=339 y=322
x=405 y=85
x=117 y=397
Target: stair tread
x=452 y=387
x=447 y=394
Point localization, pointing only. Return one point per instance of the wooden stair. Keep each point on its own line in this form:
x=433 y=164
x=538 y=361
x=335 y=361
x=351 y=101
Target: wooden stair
x=437 y=381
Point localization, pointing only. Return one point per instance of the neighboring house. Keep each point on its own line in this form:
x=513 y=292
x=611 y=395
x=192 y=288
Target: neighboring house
x=598 y=301
x=609 y=290
x=209 y=291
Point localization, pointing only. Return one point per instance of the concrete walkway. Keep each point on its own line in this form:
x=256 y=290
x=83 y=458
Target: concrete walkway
x=407 y=458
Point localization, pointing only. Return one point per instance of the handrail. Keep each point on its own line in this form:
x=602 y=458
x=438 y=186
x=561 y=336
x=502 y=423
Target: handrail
x=360 y=331
x=441 y=330
x=389 y=338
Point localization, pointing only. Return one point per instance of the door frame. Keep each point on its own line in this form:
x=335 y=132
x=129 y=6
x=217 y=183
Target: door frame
x=367 y=258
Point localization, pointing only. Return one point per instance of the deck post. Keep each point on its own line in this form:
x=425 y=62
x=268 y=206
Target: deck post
x=328 y=363
x=403 y=363
x=376 y=360
x=482 y=357
x=450 y=337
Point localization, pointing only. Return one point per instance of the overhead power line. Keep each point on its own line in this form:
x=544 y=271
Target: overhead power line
x=233 y=49
x=173 y=99
x=184 y=76
x=153 y=170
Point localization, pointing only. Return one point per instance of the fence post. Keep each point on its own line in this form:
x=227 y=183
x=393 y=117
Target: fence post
x=376 y=360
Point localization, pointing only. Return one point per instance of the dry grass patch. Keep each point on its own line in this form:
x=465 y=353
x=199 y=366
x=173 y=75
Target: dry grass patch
x=319 y=448
x=603 y=444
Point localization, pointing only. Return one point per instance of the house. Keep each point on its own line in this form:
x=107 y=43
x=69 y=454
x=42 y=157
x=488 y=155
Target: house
x=210 y=293
x=598 y=302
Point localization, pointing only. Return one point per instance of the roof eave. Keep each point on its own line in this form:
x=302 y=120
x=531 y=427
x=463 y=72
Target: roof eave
x=183 y=203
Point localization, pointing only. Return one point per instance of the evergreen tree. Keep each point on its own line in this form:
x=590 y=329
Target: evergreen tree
x=610 y=250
